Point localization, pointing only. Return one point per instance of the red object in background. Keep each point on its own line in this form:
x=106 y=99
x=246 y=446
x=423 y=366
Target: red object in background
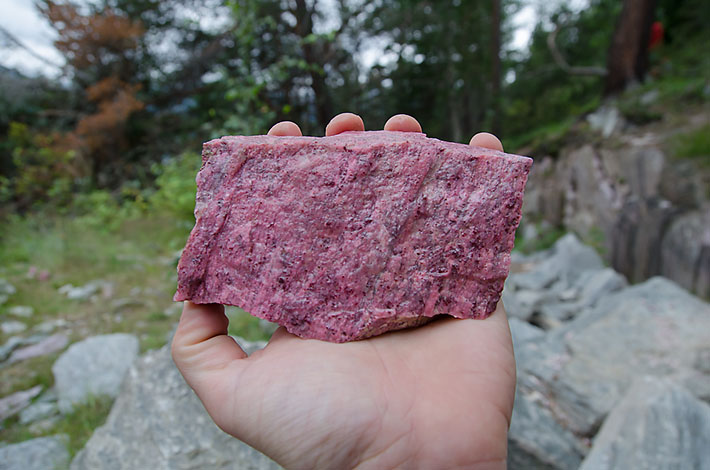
x=656 y=34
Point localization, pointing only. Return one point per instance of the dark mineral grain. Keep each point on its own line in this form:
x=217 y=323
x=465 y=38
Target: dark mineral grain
x=345 y=237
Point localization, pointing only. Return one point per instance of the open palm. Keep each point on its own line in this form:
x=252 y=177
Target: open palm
x=438 y=396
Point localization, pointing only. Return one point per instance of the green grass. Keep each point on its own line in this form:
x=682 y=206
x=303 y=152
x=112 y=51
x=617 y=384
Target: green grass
x=546 y=237
x=694 y=145
x=244 y=325
x=137 y=255
x=27 y=374
x=78 y=425
x=82 y=421
x=544 y=140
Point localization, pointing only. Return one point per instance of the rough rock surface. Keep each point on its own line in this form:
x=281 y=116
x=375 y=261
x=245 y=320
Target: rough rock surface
x=17 y=401
x=557 y=287
x=12 y=326
x=23 y=311
x=587 y=365
x=6 y=290
x=43 y=453
x=94 y=366
x=657 y=425
x=522 y=332
x=651 y=211
x=48 y=345
x=158 y=423
x=345 y=237
x=685 y=253
x=535 y=439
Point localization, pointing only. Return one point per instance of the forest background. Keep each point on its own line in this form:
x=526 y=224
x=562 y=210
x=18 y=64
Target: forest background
x=98 y=162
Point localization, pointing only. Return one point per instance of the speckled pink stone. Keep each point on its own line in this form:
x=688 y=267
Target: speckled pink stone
x=346 y=237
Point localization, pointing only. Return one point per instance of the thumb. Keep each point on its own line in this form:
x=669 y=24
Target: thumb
x=202 y=351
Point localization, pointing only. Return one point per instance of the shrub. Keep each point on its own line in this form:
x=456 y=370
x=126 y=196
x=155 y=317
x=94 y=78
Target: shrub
x=175 y=186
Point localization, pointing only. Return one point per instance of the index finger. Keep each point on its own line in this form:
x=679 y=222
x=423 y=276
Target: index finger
x=486 y=140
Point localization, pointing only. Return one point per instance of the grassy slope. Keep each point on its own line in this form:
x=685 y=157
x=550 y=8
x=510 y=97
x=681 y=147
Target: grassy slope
x=138 y=257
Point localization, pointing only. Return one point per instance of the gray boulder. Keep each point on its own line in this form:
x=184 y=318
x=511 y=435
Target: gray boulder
x=6 y=290
x=657 y=425
x=558 y=286
x=523 y=332
x=88 y=290
x=158 y=423
x=606 y=119
x=38 y=411
x=23 y=311
x=11 y=327
x=15 y=402
x=48 y=345
x=655 y=328
x=568 y=259
x=536 y=440
x=637 y=236
x=595 y=284
x=92 y=367
x=649 y=211
x=522 y=304
x=43 y=453
x=10 y=345
x=685 y=252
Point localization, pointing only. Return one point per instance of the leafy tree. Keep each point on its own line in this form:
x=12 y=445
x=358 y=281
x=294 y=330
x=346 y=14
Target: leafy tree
x=446 y=71
x=543 y=93
x=627 y=59
x=99 y=47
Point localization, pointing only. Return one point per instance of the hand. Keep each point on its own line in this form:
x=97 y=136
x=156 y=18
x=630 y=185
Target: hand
x=435 y=397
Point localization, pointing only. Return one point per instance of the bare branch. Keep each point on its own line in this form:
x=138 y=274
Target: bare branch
x=564 y=65
x=13 y=40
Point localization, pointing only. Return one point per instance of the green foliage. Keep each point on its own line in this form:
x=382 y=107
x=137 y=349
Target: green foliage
x=442 y=72
x=543 y=93
x=83 y=420
x=244 y=325
x=546 y=236
x=694 y=144
x=45 y=170
x=175 y=186
x=102 y=211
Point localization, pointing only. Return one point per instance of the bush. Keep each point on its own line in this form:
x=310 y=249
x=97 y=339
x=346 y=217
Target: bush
x=694 y=144
x=46 y=170
x=175 y=186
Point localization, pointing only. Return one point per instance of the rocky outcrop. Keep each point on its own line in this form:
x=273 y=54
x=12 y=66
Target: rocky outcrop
x=578 y=399
x=685 y=252
x=43 y=453
x=657 y=425
x=92 y=367
x=6 y=290
x=596 y=357
x=157 y=423
x=567 y=280
x=577 y=369
x=650 y=213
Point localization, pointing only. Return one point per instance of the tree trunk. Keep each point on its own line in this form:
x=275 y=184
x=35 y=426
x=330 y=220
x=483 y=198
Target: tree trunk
x=627 y=60
x=495 y=66
x=323 y=104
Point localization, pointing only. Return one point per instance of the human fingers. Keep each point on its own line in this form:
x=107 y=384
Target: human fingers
x=285 y=128
x=344 y=122
x=489 y=141
x=202 y=349
x=402 y=123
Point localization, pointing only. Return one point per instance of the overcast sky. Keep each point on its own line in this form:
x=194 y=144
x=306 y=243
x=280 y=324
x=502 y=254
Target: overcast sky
x=20 y=17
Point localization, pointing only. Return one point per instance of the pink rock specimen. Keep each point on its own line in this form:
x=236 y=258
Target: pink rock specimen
x=345 y=237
